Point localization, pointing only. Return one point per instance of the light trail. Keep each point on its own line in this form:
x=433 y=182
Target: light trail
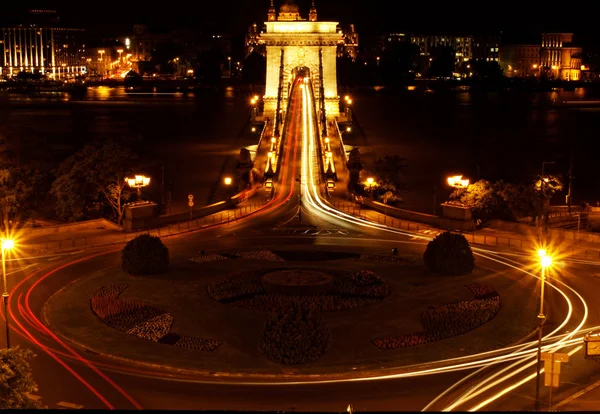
x=319 y=207
x=312 y=197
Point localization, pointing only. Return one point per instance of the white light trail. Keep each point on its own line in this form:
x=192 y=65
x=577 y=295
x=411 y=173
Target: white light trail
x=313 y=199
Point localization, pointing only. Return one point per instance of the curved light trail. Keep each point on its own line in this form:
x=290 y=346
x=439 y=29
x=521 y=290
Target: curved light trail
x=314 y=200
x=516 y=355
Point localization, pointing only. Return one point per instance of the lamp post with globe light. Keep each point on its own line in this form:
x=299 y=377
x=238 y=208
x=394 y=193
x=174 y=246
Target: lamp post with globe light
x=138 y=182
x=545 y=261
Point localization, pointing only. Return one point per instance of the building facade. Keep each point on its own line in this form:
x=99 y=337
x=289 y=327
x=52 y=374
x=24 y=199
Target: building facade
x=520 y=60
x=41 y=46
x=555 y=57
x=559 y=58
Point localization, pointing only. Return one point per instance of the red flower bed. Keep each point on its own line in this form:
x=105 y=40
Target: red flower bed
x=450 y=320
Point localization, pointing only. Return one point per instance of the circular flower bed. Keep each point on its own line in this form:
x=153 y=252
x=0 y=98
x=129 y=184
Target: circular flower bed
x=450 y=320
x=295 y=336
x=348 y=290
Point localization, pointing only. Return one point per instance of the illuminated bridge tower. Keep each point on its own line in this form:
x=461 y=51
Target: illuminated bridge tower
x=298 y=46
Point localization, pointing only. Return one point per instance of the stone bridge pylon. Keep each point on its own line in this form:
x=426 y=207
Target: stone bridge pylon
x=295 y=45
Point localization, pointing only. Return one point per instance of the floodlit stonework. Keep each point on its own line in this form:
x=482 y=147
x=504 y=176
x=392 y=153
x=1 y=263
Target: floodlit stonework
x=295 y=45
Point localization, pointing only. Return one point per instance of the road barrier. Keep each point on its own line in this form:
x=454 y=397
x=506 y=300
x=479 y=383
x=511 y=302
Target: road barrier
x=242 y=210
x=478 y=238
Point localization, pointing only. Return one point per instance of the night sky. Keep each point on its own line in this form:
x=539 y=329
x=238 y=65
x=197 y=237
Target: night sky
x=369 y=16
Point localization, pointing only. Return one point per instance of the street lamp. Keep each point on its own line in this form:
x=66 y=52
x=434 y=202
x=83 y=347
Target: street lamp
x=458 y=182
x=370 y=182
x=7 y=244
x=138 y=182
x=545 y=261
x=229 y=59
x=227 y=181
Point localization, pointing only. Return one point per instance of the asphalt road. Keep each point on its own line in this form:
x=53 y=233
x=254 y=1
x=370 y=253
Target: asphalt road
x=70 y=377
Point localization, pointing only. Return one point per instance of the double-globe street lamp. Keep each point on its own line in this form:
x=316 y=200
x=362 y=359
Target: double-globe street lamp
x=545 y=261
x=7 y=244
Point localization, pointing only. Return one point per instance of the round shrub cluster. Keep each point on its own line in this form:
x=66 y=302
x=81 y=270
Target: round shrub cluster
x=145 y=255
x=295 y=336
x=449 y=254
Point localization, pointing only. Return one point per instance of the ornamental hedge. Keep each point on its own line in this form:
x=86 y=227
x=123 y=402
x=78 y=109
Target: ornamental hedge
x=449 y=254
x=295 y=336
x=145 y=255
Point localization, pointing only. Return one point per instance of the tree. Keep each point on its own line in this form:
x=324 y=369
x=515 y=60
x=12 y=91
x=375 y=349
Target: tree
x=209 y=67
x=397 y=60
x=255 y=69
x=484 y=198
x=96 y=173
x=443 y=61
x=16 y=379
x=389 y=171
x=163 y=56
x=17 y=186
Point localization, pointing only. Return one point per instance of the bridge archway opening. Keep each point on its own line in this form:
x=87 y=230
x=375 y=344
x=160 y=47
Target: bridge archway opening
x=302 y=71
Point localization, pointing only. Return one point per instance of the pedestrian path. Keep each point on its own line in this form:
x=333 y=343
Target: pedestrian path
x=485 y=237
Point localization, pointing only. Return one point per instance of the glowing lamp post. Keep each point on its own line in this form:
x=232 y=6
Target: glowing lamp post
x=370 y=183
x=138 y=182
x=545 y=261
x=227 y=181
x=458 y=182
x=7 y=244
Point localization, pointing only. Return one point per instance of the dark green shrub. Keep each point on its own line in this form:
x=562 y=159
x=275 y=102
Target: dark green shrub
x=449 y=254
x=145 y=255
x=295 y=336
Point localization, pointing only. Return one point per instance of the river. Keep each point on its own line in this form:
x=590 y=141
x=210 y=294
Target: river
x=197 y=138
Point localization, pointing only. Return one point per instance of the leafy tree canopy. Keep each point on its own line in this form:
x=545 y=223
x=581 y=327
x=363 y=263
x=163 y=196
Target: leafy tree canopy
x=16 y=379
x=94 y=174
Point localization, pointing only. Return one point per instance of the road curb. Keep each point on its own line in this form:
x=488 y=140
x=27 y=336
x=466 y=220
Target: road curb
x=116 y=243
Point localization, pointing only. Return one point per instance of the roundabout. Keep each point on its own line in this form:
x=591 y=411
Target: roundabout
x=209 y=322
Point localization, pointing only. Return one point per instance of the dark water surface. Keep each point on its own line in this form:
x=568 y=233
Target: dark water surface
x=496 y=135
x=196 y=138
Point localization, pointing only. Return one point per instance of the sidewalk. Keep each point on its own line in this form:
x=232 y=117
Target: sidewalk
x=483 y=237
x=102 y=237
x=587 y=399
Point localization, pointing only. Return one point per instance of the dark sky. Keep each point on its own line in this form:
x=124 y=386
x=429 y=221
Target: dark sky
x=369 y=16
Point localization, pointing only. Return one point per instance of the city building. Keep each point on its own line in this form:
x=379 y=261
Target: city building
x=520 y=60
x=486 y=48
x=349 y=44
x=555 y=57
x=41 y=45
x=462 y=46
x=559 y=59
